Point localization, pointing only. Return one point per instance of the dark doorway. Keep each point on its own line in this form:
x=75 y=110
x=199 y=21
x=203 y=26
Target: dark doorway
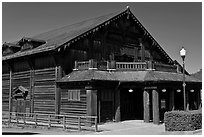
x=131 y=104
x=178 y=100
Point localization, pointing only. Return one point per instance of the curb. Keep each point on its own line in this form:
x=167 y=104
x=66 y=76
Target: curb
x=183 y=132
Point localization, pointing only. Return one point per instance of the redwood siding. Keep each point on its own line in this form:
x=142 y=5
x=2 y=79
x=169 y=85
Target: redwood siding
x=76 y=108
x=5 y=92
x=44 y=90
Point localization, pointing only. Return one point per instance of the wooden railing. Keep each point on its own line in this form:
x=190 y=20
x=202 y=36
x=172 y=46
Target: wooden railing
x=131 y=65
x=51 y=120
x=113 y=65
x=82 y=65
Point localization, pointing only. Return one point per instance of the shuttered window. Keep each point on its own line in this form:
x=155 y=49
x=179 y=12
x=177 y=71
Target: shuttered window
x=73 y=95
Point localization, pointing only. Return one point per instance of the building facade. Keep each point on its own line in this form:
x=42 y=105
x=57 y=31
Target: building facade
x=109 y=66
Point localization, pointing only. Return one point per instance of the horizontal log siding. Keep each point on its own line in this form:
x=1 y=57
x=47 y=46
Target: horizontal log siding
x=77 y=108
x=44 y=90
x=5 y=92
x=22 y=79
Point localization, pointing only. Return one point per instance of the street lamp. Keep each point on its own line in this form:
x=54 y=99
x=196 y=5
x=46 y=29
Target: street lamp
x=183 y=55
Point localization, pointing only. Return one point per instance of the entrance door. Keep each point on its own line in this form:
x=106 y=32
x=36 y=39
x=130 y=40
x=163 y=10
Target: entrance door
x=20 y=106
x=131 y=104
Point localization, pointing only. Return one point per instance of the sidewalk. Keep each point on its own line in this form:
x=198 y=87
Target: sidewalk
x=131 y=127
x=138 y=127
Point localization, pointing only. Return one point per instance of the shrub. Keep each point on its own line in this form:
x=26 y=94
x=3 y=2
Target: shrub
x=183 y=120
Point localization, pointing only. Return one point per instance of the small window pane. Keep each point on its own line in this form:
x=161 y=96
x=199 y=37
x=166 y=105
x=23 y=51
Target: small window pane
x=74 y=95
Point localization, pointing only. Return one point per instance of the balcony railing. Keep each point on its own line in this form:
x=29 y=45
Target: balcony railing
x=131 y=65
x=123 y=66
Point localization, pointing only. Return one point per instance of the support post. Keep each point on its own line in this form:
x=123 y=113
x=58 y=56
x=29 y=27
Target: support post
x=171 y=100
x=24 y=119
x=49 y=121
x=79 y=123
x=31 y=91
x=155 y=105
x=58 y=75
x=35 y=118
x=117 y=106
x=64 y=123
x=96 y=125
x=146 y=103
x=135 y=54
x=10 y=90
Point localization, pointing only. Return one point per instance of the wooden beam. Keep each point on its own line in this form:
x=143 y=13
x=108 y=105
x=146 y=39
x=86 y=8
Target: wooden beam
x=146 y=103
x=155 y=106
x=10 y=90
x=32 y=91
x=58 y=75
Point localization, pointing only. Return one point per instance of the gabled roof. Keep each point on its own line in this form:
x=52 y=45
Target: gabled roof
x=62 y=37
x=126 y=76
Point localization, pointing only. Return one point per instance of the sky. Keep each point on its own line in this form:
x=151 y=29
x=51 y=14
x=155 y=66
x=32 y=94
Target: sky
x=173 y=25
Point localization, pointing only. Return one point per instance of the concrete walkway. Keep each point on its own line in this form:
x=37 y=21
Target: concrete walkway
x=131 y=127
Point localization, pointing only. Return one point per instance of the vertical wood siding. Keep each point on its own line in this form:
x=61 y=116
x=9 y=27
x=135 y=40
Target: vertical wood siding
x=44 y=90
x=76 y=108
x=5 y=92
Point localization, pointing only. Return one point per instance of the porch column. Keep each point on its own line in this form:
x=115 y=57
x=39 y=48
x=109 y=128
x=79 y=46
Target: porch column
x=171 y=100
x=146 y=103
x=117 y=106
x=58 y=75
x=155 y=106
x=91 y=101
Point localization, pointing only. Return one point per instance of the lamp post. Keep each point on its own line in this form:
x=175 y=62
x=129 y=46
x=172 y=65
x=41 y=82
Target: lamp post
x=183 y=55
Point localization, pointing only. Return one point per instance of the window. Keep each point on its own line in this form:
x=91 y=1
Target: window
x=73 y=95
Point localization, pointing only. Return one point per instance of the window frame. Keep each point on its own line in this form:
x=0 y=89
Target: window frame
x=74 y=94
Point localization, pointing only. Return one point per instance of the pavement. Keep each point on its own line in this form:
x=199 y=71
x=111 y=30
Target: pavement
x=129 y=127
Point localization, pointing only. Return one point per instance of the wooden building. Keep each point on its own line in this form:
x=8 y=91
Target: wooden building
x=109 y=66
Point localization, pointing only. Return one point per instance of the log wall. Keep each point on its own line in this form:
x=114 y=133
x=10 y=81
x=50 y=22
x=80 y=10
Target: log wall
x=77 y=108
x=44 y=90
x=5 y=92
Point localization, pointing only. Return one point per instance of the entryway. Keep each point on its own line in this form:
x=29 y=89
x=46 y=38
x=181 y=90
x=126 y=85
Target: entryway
x=131 y=104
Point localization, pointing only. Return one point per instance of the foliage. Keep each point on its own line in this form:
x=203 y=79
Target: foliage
x=183 y=120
